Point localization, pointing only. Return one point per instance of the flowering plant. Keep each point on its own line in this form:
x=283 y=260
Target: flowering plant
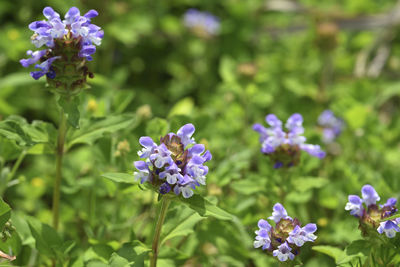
x=332 y=126
x=69 y=44
x=374 y=217
x=284 y=146
x=203 y=24
x=176 y=164
x=285 y=239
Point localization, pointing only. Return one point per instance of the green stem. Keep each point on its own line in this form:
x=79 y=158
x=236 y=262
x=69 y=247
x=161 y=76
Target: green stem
x=165 y=201
x=62 y=130
x=16 y=165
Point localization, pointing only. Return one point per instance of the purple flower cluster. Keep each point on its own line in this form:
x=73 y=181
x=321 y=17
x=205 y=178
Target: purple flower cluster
x=74 y=31
x=372 y=215
x=284 y=146
x=285 y=239
x=332 y=126
x=174 y=165
x=201 y=23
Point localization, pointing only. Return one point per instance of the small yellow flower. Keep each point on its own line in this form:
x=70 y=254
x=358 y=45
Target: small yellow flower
x=37 y=182
x=322 y=222
x=92 y=105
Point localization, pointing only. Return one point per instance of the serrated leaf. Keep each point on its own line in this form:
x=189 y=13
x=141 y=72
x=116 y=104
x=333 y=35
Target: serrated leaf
x=71 y=110
x=95 y=128
x=120 y=177
x=205 y=208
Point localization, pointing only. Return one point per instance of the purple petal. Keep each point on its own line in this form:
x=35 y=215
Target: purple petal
x=370 y=196
x=87 y=50
x=140 y=165
x=310 y=228
x=197 y=149
x=263 y=224
x=186 y=130
x=259 y=128
x=49 y=13
x=391 y=202
x=91 y=14
x=146 y=141
x=354 y=199
x=296 y=120
x=273 y=121
x=313 y=150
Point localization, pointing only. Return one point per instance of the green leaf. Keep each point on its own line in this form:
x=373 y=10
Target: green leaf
x=29 y=135
x=120 y=177
x=205 y=208
x=227 y=69
x=122 y=99
x=95 y=128
x=357 y=116
x=71 y=110
x=5 y=213
x=247 y=186
x=46 y=238
x=12 y=130
x=304 y=184
x=358 y=247
x=333 y=252
x=156 y=128
x=101 y=252
x=182 y=107
x=179 y=222
x=118 y=261
x=133 y=253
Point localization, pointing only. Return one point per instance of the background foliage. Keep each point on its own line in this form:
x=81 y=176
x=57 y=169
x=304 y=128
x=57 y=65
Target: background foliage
x=152 y=75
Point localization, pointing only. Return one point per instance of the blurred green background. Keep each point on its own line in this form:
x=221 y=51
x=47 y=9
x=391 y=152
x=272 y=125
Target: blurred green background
x=276 y=57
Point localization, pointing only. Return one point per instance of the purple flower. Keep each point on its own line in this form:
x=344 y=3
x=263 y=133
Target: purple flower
x=278 y=213
x=372 y=214
x=391 y=202
x=285 y=239
x=332 y=126
x=279 y=144
x=369 y=195
x=263 y=235
x=45 y=68
x=283 y=253
x=355 y=206
x=173 y=165
x=201 y=23
x=185 y=133
x=390 y=228
x=57 y=35
x=301 y=235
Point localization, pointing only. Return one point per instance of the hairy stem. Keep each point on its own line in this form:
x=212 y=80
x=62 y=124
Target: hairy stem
x=165 y=201
x=62 y=130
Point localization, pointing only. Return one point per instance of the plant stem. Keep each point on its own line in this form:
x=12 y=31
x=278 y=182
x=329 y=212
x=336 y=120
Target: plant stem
x=16 y=165
x=165 y=201
x=62 y=130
